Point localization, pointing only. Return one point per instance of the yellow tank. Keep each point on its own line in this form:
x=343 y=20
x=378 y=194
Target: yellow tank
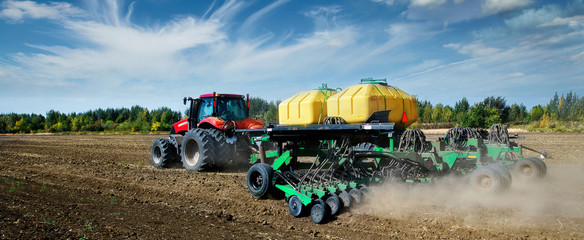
x=357 y=103
x=306 y=107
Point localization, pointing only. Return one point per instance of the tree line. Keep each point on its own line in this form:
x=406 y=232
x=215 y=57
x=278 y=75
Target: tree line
x=134 y=119
x=492 y=110
x=560 y=109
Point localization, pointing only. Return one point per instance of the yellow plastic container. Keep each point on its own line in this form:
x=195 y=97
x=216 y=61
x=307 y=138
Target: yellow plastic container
x=306 y=107
x=356 y=103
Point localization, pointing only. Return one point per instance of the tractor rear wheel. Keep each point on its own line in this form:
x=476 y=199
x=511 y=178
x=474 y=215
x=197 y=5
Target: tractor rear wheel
x=162 y=153
x=486 y=179
x=259 y=178
x=223 y=149
x=197 y=150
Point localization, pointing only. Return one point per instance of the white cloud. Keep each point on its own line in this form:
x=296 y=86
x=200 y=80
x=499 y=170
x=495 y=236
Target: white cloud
x=575 y=21
x=428 y=3
x=516 y=75
x=251 y=20
x=19 y=10
x=386 y=2
x=529 y=19
x=474 y=49
x=497 y=6
x=577 y=57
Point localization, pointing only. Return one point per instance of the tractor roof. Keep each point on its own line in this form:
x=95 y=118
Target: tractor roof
x=221 y=95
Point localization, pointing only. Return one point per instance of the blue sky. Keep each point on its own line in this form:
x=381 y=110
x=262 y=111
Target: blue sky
x=73 y=56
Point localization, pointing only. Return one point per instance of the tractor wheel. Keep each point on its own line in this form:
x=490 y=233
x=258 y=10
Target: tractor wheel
x=197 y=150
x=318 y=212
x=162 y=153
x=259 y=178
x=295 y=206
x=345 y=198
x=176 y=145
x=356 y=195
x=486 y=179
x=504 y=172
x=541 y=164
x=334 y=203
x=223 y=149
x=527 y=169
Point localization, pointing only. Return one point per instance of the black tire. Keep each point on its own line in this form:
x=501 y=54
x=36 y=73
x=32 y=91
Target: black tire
x=345 y=198
x=541 y=164
x=162 y=153
x=527 y=170
x=295 y=206
x=356 y=195
x=486 y=179
x=224 y=151
x=197 y=150
x=334 y=203
x=259 y=178
x=176 y=145
x=318 y=212
x=504 y=172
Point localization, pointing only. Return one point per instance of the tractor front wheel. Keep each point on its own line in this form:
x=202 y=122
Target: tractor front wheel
x=162 y=153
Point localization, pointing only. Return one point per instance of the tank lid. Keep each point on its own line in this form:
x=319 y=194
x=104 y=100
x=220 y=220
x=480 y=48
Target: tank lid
x=381 y=81
x=325 y=88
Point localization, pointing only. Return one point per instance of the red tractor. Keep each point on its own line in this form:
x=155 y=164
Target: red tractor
x=206 y=139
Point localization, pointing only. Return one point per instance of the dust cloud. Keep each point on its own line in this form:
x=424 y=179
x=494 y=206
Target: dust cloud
x=555 y=202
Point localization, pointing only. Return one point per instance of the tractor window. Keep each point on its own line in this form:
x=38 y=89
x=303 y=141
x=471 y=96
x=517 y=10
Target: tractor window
x=206 y=109
x=231 y=108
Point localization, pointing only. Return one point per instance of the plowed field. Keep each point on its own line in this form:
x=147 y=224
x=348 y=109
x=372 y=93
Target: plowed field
x=104 y=186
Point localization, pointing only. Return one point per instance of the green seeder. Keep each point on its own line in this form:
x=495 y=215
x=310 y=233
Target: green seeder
x=319 y=169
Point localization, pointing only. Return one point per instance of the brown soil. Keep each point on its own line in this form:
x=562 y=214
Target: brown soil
x=104 y=186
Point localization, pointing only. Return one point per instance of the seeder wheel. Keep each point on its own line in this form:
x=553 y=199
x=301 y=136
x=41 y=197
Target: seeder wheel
x=318 y=212
x=356 y=195
x=345 y=198
x=334 y=203
x=295 y=206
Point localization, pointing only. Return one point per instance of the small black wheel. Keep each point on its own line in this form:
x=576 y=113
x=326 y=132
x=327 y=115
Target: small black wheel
x=334 y=203
x=504 y=172
x=162 y=153
x=295 y=206
x=318 y=212
x=345 y=198
x=356 y=195
x=259 y=178
x=486 y=179
x=527 y=170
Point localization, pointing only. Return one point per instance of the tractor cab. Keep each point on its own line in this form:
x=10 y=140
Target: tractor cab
x=218 y=111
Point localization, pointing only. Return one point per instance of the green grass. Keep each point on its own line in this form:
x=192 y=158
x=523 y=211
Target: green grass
x=88 y=226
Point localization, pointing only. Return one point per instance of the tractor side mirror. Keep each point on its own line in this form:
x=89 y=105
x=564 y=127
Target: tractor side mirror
x=185 y=101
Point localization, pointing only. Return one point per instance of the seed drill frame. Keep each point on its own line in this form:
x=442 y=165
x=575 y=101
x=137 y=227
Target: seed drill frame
x=321 y=168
